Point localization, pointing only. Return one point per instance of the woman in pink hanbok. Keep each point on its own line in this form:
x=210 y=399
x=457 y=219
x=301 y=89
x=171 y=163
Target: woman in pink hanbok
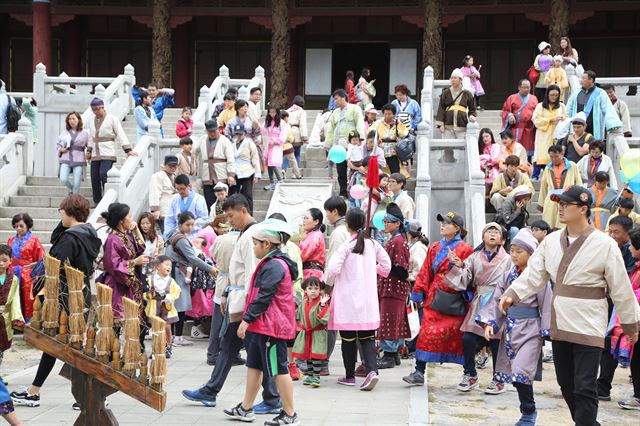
x=312 y=247
x=277 y=131
x=489 y=152
x=468 y=70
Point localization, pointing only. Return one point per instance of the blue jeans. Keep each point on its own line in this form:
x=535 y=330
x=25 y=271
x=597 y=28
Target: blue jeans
x=65 y=171
x=513 y=231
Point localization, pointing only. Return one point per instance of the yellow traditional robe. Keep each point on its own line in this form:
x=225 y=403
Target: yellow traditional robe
x=544 y=134
x=570 y=176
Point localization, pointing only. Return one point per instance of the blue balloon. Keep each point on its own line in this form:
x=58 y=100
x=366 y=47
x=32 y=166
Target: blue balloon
x=623 y=177
x=337 y=154
x=378 y=220
x=634 y=184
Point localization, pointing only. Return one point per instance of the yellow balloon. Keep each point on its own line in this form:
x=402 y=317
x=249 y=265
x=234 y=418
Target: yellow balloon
x=630 y=163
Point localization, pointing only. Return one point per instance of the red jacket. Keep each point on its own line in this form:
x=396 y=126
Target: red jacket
x=271 y=309
x=183 y=126
x=350 y=88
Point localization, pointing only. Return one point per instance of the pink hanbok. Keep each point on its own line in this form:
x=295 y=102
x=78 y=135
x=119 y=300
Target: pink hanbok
x=490 y=162
x=474 y=78
x=272 y=145
x=312 y=252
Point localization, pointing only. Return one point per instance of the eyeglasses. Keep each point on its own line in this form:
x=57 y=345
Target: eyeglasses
x=564 y=204
x=385 y=221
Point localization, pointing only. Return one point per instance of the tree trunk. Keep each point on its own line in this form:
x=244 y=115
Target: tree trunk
x=161 y=44
x=558 y=22
x=432 y=37
x=280 y=47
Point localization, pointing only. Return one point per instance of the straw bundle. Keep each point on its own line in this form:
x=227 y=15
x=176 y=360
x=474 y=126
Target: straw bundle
x=159 y=359
x=51 y=308
x=77 y=324
x=63 y=333
x=131 y=352
x=105 y=335
x=36 y=322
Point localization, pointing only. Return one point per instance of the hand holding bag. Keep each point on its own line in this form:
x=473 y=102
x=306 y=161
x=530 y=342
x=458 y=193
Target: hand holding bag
x=414 y=319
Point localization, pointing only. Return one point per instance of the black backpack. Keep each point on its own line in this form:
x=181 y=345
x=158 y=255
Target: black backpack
x=13 y=115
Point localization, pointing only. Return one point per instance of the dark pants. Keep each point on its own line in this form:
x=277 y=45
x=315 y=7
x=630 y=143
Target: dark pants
x=350 y=350
x=576 y=372
x=44 y=369
x=99 y=169
x=209 y=195
x=393 y=163
x=230 y=347
x=244 y=186
x=525 y=395
x=178 y=327
x=470 y=343
x=342 y=178
x=608 y=367
x=214 y=334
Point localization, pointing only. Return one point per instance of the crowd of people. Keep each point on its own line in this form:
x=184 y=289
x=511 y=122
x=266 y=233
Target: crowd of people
x=284 y=294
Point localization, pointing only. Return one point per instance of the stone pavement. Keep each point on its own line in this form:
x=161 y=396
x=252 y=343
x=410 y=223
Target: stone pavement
x=390 y=403
x=448 y=406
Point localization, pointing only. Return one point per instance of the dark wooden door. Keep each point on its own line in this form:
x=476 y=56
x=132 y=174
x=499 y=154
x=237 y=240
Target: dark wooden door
x=107 y=58
x=355 y=56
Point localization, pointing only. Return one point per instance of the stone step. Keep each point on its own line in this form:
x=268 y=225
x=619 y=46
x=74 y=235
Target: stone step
x=38 y=225
x=53 y=191
x=43 y=236
x=34 y=212
x=40 y=201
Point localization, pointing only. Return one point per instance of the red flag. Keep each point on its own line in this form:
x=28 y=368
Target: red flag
x=373 y=172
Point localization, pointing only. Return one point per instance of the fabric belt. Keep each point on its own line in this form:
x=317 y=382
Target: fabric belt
x=215 y=160
x=580 y=292
x=312 y=265
x=457 y=108
x=599 y=209
x=76 y=148
x=104 y=139
x=523 y=312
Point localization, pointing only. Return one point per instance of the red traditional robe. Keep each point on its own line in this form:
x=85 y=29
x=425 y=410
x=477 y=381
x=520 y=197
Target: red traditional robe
x=440 y=338
x=25 y=251
x=523 y=130
x=393 y=292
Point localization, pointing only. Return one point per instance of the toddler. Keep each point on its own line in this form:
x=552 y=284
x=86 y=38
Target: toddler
x=184 y=126
x=161 y=296
x=10 y=316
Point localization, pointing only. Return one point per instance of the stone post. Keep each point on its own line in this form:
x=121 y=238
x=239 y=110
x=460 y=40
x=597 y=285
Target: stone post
x=114 y=182
x=154 y=147
x=474 y=190
x=130 y=73
x=223 y=72
x=243 y=93
x=423 y=179
x=259 y=74
x=26 y=130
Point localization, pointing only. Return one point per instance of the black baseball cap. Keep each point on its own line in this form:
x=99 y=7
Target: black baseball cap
x=451 y=217
x=211 y=125
x=171 y=160
x=575 y=194
x=238 y=128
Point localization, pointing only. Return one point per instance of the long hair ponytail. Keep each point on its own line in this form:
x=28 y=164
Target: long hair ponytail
x=356 y=221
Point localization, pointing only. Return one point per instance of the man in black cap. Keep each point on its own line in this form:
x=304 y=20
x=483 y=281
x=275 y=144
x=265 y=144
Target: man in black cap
x=585 y=266
x=162 y=190
x=219 y=161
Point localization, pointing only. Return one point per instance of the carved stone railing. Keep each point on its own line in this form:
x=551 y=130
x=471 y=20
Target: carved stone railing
x=16 y=159
x=57 y=96
x=474 y=190
x=130 y=184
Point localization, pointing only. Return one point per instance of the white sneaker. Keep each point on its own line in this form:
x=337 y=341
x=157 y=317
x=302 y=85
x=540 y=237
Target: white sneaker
x=197 y=334
x=181 y=341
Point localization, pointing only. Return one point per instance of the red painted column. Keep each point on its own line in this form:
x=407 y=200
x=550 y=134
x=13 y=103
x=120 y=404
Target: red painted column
x=42 y=33
x=73 y=49
x=181 y=57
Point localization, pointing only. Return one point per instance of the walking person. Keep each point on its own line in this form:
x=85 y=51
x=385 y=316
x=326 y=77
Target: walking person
x=71 y=146
x=479 y=273
x=585 y=266
x=144 y=113
x=354 y=309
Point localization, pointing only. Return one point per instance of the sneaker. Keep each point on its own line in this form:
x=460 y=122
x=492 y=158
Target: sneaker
x=361 y=371
x=414 y=379
x=481 y=361
x=212 y=361
x=370 y=381
x=169 y=352
x=468 y=383
x=239 y=413
x=396 y=359
x=528 y=419
x=238 y=361
x=264 y=408
x=548 y=358
x=284 y=419
x=495 y=388
x=346 y=381
x=630 y=404
x=181 y=341
x=197 y=334
x=324 y=372
x=604 y=397
x=201 y=395
x=307 y=380
x=294 y=372
x=314 y=382
x=270 y=187
x=25 y=399
x=385 y=362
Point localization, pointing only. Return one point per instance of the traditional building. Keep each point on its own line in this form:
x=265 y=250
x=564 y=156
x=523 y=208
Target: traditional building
x=309 y=44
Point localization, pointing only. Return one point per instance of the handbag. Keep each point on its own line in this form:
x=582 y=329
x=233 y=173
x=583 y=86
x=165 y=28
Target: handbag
x=414 y=319
x=449 y=303
x=534 y=75
x=405 y=148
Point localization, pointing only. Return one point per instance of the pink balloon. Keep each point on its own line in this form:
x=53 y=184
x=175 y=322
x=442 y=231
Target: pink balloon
x=358 y=192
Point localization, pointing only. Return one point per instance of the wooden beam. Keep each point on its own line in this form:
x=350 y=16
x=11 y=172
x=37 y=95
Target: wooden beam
x=95 y=369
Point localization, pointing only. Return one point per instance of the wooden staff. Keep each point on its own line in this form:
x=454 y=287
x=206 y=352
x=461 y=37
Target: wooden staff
x=51 y=307
x=36 y=322
x=63 y=333
x=89 y=347
x=159 y=349
x=116 y=364
x=77 y=324
x=131 y=352
x=105 y=334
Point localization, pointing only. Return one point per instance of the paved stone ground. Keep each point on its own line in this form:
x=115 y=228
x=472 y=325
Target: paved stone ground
x=331 y=404
x=448 y=406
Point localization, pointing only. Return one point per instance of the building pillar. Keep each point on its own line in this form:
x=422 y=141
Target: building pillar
x=161 y=43
x=432 y=37
x=558 y=22
x=181 y=75
x=73 y=49
x=280 y=50
x=293 y=64
x=42 y=33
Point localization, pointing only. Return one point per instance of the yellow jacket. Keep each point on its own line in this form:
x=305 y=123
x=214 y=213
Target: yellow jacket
x=557 y=76
x=153 y=297
x=11 y=311
x=544 y=131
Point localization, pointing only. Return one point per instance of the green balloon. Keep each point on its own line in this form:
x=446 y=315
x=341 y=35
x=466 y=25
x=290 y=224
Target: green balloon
x=630 y=162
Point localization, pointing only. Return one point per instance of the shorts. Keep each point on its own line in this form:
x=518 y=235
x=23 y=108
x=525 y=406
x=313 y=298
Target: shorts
x=266 y=353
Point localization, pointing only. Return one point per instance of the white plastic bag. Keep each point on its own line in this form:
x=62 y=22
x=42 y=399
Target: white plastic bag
x=414 y=319
x=562 y=129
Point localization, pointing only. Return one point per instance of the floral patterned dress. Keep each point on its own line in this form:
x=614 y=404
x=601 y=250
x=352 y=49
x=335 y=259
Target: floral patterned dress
x=25 y=251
